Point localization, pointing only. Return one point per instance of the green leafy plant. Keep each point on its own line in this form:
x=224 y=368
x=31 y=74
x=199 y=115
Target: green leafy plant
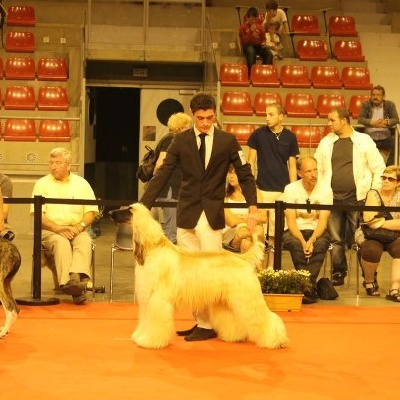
x=284 y=281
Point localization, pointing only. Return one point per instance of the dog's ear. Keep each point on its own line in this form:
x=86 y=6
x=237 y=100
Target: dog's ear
x=121 y=215
x=138 y=249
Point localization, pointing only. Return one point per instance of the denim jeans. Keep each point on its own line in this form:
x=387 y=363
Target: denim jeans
x=169 y=218
x=342 y=225
x=252 y=50
x=315 y=262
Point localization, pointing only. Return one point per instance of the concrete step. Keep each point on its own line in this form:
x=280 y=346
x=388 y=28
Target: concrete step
x=386 y=40
x=373 y=28
x=353 y=6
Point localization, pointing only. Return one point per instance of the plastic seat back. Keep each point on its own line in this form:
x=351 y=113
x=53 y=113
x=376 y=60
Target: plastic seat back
x=312 y=50
x=21 y=16
x=300 y=105
x=20 y=68
x=305 y=25
x=54 y=131
x=295 y=76
x=355 y=104
x=234 y=75
x=348 y=50
x=342 y=25
x=263 y=99
x=52 y=69
x=237 y=103
x=264 y=76
x=326 y=102
x=53 y=98
x=356 y=78
x=307 y=136
x=20 y=42
x=19 y=98
x=241 y=131
x=20 y=130
x=325 y=77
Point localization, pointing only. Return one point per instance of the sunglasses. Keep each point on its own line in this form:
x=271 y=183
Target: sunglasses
x=389 y=178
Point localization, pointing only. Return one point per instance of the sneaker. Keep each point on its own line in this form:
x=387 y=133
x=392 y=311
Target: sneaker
x=73 y=288
x=79 y=299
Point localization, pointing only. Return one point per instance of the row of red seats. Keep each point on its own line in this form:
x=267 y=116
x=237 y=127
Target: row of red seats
x=48 y=69
x=338 y=25
x=23 y=98
x=296 y=104
x=21 y=16
x=322 y=76
x=25 y=130
x=317 y=50
x=307 y=136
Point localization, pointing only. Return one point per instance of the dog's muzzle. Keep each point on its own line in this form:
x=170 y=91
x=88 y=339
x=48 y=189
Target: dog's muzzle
x=121 y=215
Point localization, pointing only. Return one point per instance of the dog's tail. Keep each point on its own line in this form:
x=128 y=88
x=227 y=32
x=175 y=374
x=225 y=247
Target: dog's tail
x=256 y=253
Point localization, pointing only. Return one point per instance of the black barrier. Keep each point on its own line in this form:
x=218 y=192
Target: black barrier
x=38 y=201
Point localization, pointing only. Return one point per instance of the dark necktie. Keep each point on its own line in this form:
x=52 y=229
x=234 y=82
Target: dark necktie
x=202 y=149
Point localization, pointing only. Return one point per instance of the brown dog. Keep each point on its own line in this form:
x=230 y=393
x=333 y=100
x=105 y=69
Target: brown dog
x=10 y=261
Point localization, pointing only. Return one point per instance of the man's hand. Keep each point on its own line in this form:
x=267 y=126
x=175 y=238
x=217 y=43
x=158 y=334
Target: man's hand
x=69 y=232
x=252 y=219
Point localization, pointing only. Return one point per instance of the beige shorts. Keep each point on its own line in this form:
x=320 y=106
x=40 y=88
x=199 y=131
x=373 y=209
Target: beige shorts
x=270 y=197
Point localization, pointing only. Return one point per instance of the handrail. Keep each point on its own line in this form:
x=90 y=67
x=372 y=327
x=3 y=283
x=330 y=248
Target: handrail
x=38 y=202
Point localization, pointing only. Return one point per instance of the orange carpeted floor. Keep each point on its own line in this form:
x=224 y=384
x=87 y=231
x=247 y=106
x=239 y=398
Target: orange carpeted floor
x=69 y=352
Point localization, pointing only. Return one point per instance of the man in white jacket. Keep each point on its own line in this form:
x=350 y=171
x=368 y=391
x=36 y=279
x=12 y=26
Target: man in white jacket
x=351 y=164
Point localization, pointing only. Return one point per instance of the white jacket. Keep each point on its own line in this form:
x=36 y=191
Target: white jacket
x=368 y=164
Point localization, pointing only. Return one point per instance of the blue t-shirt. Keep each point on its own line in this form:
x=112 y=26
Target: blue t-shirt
x=273 y=153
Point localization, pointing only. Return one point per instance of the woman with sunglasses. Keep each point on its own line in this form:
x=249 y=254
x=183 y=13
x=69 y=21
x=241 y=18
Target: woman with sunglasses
x=371 y=250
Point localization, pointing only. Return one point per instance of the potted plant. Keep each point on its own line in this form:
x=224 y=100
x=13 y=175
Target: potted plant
x=283 y=289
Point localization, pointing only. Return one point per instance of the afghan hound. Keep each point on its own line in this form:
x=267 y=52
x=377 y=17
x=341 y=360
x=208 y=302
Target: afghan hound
x=222 y=282
x=10 y=261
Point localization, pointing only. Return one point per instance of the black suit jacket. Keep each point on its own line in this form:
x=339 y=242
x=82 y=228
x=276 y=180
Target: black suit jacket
x=202 y=190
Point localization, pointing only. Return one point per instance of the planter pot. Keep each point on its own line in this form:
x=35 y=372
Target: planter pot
x=283 y=302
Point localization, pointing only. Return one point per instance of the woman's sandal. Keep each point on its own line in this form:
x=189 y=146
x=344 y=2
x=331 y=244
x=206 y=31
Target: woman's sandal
x=395 y=296
x=372 y=288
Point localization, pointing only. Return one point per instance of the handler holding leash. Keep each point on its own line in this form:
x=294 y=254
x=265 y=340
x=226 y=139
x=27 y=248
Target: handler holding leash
x=204 y=154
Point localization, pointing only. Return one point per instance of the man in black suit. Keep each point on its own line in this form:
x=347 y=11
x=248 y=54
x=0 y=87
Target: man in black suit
x=200 y=209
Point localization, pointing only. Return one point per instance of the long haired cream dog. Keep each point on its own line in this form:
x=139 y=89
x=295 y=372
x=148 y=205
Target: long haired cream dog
x=10 y=261
x=225 y=283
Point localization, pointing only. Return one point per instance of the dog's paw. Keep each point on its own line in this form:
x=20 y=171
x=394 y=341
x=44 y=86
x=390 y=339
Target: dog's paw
x=3 y=331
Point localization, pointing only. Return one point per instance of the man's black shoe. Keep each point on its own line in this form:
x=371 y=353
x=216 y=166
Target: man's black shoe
x=310 y=297
x=338 y=278
x=201 y=334
x=187 y=332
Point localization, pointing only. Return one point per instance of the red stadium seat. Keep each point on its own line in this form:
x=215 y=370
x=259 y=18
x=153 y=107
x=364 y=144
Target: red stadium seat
x=300 y=105
x=312 y=50
x=20 y=42
x=264 y=76
x=237 y=103
x=54 y=131
x=307 y=136
x=356 y=78
x=355 y=104
x=19 y=98
x=325 y=103
x=295 y=76
x=21 y=16
x=348 y=50
x=263 y=99
x=234 y=75
x=20 y=130
x=52 y=69
x=325 y=77
x=53 y=98
x=1 y=69
x=305 y=25
x=20 y=68
x=342 y=25
x=241 y=131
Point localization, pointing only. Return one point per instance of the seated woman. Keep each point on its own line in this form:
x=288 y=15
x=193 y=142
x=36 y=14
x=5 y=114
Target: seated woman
x=236 y=235
x=371 y=250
